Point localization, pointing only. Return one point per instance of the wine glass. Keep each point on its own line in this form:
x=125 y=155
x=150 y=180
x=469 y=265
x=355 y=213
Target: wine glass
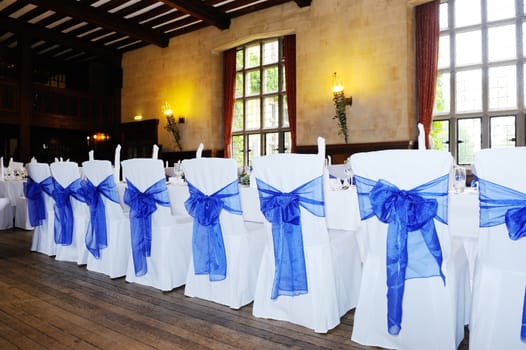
x=178 y=171
x=348 y=174
x=459 y=182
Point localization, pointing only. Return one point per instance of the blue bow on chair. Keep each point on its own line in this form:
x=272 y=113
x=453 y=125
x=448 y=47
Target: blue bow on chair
x=142 y=206
x=208 y=248
x=503 y=205
x=36 y=207
x=64 y=218
x=283 y=211
x=97 y=236
x=413 y=247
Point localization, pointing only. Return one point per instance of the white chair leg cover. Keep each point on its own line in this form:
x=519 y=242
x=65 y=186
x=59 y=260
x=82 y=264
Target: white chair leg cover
x=238 y=288
x=499 y=283
x=43 y=235
x=21 y=214
x=434 y=314
x=243 y=242
x=65 y=172
x=170 y=252
x=113 y=260
x=6 y=214
x=332 y=257
x=171 y=236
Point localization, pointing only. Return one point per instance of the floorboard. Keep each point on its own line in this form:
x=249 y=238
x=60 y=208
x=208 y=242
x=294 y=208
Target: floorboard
x=46 y=304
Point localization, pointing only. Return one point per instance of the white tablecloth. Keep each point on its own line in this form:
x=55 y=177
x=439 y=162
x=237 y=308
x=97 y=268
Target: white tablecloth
x=12 y=189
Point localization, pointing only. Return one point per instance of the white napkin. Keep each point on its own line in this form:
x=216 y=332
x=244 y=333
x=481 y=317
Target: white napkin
x=421 y=137
x=10 y=165
x=91 y=156
x=117 y=164
x=155 y=152
x=199 y=152
x=33 y=160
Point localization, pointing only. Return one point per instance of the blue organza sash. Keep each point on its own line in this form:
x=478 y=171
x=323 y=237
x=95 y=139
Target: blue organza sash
x=142 y=206
x=503 y=205
x=413 y=248
x=283 y=211
x=64 y=219
x=208 y=247
x=97 y=236
x=36 y=207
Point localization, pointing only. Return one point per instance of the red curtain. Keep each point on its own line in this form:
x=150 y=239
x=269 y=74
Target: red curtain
x=427 y=36
x=229 y=79
x=289 y=53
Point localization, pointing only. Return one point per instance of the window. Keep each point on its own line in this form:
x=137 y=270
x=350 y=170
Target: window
x=260 y=107
x=479 y=101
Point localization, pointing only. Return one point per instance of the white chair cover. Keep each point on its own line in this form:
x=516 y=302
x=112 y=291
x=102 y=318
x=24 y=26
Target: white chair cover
x=243 y=242
x=113 y=260
x=117 y=164
x=499 y=285
x=2 y=169
x=43 y=235
x=22 y=215
x=434 y=314
x=171 y=245
x=421 y=136
x=332 y=259
x=6 y=213
x=65 y=173
x=199 y=152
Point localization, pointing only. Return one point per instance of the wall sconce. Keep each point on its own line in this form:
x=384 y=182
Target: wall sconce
x=137 y=117
x=340 y=102
x=172 y=125
x=337 y=90
x=167 y=110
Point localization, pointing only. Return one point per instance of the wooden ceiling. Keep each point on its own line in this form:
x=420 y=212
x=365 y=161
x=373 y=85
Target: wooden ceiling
x=84 y=30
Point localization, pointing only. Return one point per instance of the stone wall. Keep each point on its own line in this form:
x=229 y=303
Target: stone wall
x=369 y=43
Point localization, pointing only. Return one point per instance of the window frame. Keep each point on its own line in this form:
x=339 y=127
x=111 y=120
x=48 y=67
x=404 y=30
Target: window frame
x=485 y=114
x=280 y=129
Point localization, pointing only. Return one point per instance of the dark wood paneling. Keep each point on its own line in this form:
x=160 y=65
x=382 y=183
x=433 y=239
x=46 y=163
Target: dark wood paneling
x=340 y=152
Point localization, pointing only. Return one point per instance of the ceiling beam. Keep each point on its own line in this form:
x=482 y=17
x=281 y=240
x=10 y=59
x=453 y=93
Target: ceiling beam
x=303 y=3
x=206 y=13
x=65 y=40
x=103 y=19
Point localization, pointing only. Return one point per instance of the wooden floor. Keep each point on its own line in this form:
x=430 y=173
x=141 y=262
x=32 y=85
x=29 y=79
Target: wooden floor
x=46 y=304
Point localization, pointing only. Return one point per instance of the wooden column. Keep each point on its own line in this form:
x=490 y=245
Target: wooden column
x=26 y=97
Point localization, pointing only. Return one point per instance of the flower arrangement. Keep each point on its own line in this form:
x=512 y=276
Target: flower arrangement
x=340 y=103
x=173 y=127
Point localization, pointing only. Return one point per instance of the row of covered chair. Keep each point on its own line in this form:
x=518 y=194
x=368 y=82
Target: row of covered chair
x=415 y=288
x=214 y=252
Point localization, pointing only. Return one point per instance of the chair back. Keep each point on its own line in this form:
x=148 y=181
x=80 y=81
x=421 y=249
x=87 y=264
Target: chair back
x=38 y=171
x=198 y=173
x=96 y=171
x=505 y=167
x=406 y=169
x=65 y=172
x=286 y=172
x=143 y=172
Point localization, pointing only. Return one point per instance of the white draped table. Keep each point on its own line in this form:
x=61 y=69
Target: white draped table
x=12 y=189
